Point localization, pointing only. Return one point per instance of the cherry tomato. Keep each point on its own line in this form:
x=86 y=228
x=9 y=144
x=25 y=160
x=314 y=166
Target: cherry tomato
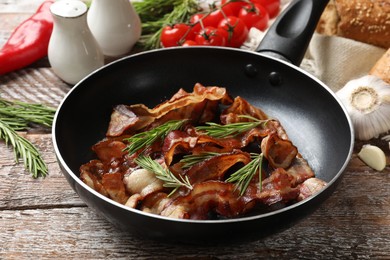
x=196 y=26
x=236 y=30
x=234 y=6
x=254 y=15
x=211 y=36
x=189 y=43
x=272 y=6
x=174 y=35
x=216 y=16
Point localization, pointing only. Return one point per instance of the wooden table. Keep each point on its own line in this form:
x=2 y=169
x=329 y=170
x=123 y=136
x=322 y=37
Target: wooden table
x=44 y=218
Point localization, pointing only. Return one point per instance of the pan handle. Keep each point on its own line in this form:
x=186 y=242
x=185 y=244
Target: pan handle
x=290 y=35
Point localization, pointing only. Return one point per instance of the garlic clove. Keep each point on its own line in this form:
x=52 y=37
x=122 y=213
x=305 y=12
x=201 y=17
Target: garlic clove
x=367 y=100
x=373 y=156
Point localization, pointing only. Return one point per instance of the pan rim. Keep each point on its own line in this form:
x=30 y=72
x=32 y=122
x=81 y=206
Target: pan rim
x=75 y=178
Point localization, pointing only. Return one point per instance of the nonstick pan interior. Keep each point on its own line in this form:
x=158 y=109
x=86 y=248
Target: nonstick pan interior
x=311 y=114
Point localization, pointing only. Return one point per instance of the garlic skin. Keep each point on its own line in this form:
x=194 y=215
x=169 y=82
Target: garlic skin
x=367 y=100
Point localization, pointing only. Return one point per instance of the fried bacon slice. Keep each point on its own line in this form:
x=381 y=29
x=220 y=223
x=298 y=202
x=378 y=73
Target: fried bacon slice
x=207 y=197
x=310 y=187
x=286 y=177
x=216 y=167
x=241 y=107
x=198 y=106
x=280 y=153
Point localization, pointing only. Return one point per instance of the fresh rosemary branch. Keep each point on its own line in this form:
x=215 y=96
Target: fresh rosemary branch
x=16 y=116
x=244 y=175
x=145 y=139
x=190 y=159
x=155 y=14
x=23 y=149
x=169 y=179
x=222 y=131
x=33 y=113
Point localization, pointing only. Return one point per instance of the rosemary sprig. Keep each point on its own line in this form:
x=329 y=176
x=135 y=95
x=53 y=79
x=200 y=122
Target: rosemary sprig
x=169 y=179
x=190 y=159
x=23 y=149
x=244 y=175
x=222 y=131
x=145 y=139
x=30 y=113
x=16 y=116
x=155 y=14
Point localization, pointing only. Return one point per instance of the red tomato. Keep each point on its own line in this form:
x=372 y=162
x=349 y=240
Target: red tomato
x=234 y=6
x=189 y=43
x=174 y=35
x=196 y=26
x=237 y=32
x=216 y=16
x=272 y=6
x=211 y=36
x=254 y=15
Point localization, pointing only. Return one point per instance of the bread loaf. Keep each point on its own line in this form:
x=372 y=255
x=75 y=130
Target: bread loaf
x=366 y=21
x=382 y=67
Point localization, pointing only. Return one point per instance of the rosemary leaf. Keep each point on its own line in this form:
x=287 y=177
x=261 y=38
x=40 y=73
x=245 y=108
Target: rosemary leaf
x=16 y=116
x=190 y=160
x=145 y=139
x=33 y=113
x=169 y=179
x=23 y=149
x=222 y=131
x=244 y=175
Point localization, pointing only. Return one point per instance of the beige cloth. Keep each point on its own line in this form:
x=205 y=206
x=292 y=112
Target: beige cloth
x=337 y=60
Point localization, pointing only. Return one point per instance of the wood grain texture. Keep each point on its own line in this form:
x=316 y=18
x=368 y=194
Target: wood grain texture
x=45 y=219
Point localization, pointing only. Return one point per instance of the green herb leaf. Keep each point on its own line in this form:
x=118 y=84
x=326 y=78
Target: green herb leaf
x=17 y=111
x=244 y=175
x=191 y=159
x=145 y=139
x=222 y=131
x=16 y=116
x=169 y=179
x=23 y=149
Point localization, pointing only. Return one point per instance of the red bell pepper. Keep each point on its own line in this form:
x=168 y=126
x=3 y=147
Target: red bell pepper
x=29 y=42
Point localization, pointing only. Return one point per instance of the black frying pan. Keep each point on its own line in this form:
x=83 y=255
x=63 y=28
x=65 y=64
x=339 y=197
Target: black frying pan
x=313 y=117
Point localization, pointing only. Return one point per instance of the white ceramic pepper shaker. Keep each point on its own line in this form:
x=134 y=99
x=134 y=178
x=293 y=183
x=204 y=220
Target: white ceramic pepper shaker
x=73 y=51
x=115 y=25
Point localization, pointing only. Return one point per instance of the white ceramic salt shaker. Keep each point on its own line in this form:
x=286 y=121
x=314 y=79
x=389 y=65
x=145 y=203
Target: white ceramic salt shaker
x=115 y=25
x=73 y=51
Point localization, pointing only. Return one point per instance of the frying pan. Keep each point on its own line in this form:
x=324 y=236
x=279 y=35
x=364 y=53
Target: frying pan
x=313 y=117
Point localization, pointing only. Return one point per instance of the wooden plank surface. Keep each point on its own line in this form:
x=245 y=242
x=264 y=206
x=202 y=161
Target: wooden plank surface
x=44 y=218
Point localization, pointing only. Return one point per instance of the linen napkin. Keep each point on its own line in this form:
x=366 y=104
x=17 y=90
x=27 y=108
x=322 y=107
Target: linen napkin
x=337 y=60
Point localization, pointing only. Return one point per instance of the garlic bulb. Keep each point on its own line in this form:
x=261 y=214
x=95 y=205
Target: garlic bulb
x=367 y=100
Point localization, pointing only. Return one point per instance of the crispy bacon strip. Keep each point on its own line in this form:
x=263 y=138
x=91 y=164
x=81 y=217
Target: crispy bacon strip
x=211 y=196
x=300 y=170
x=182 y=105
x=115 y=187
x=277 y=188
x=241 y=107
x=109 y=150
x=155 y=202
x=216 y=167
x=91 y=173
x=174 y=141
x=279 y=153
x=310 y=187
